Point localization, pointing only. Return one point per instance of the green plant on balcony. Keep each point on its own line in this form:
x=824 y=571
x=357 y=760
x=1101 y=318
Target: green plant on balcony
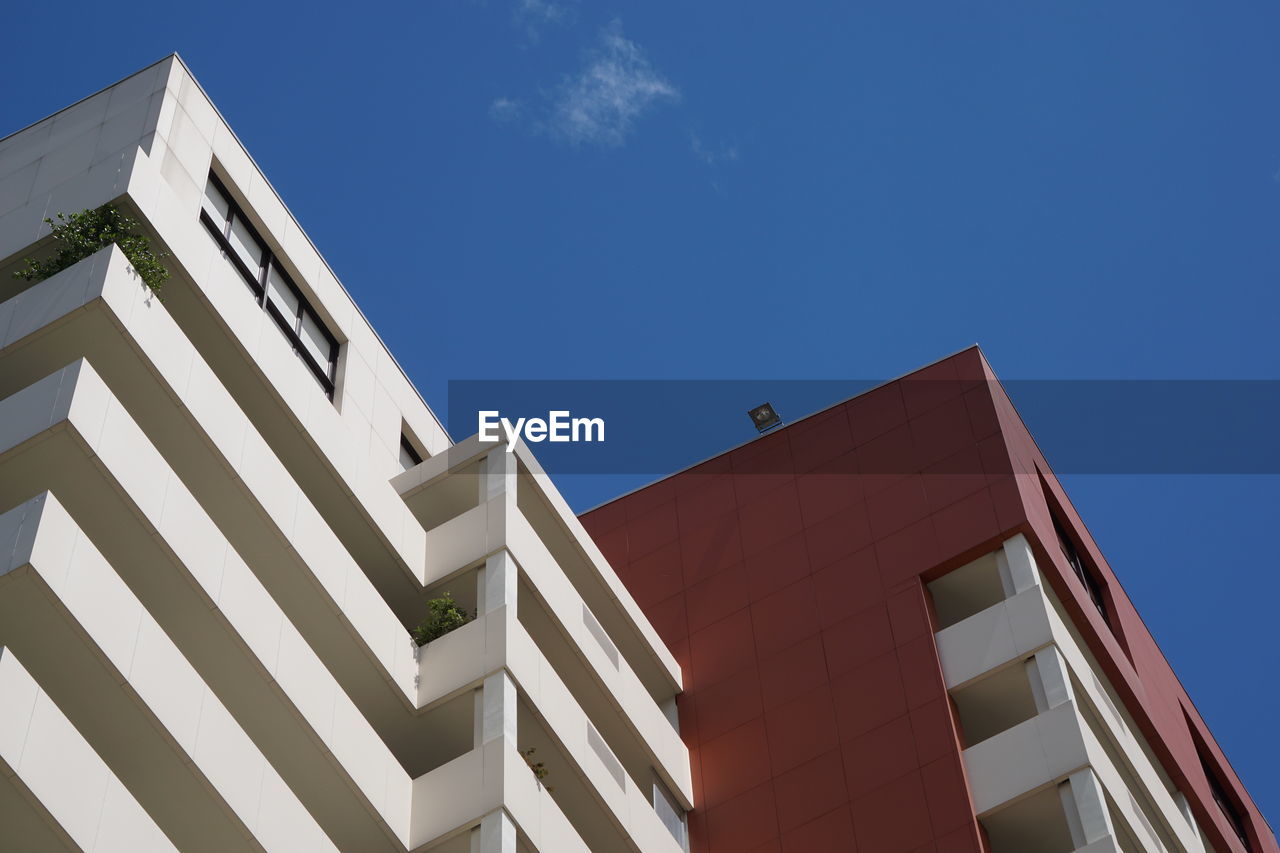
x=539 y=769
x=443 y=615
x=81 y=234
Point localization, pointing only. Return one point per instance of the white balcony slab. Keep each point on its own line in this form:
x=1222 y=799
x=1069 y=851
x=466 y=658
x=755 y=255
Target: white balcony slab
x=1027 y=623
x=624 y=617
x=1010 y=630
x=85 y=408
x=108 y=392
x=494 y=525
x=43 y=750
x=1034 y=753
x=138 y=343
x=457 y=795
x=280 y=678
x=66 y=609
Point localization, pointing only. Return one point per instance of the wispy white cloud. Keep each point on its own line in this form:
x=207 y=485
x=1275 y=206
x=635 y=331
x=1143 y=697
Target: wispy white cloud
x=535 y=15
x=504 y=110
x=616 y=85
x=712 y=155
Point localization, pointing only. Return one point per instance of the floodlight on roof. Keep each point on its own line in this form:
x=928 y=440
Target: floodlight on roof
x=765 y=417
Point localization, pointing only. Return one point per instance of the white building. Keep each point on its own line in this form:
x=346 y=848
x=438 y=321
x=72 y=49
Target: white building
x=216 y=535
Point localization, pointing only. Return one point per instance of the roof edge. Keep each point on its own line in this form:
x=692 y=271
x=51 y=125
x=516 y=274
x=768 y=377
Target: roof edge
x=740 y=445
x=94 y=94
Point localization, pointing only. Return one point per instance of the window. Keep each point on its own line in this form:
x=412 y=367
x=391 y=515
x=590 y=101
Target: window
x=270 y=284
x=670 y=813
x=1082 y=570
x=408 y=455
x=1225 y=804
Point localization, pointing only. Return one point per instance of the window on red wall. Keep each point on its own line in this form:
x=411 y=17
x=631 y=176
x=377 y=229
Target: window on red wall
x=1082 y=570
x=1226 y=803
x=1071 y=551
x=1224 y=795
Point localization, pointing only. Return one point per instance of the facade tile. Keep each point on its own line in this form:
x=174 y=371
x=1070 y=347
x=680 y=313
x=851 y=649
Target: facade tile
x=897 y=506
x=861 y=638
x=908 y=553
x=921 y=673
x=784 y=618
x=716 y=597
x=934 y=731
x=710 y=548
x=652 y=530
x=819 y=439
x=875 y=413
x=656 y=576
x=810 y=790
x=769 y=518
x=838 y=536
x=893 y=818
x=792 y=671
x=830 y=833
x=802 y=729
x=728 y=705
x=734 y=763
x=879 y=756
x=909 y=614
x=892 y=454
x=869 y=696
x=823 y=494
x=847 y=586
x=947 y=794
x=744 y=823
x=776 y=567
x=722 y=650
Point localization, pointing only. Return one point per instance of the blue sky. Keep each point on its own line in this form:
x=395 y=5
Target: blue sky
x=555 y=189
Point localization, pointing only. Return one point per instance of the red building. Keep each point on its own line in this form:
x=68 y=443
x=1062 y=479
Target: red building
x=897 y=636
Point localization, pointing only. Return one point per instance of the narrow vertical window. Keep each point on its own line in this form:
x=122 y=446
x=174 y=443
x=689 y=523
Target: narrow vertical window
x=1226 y=804
x=409 y=456
x=1081 y=570
x=216 y=205
x=280 y=296
x=670 y=813
x=247 y=246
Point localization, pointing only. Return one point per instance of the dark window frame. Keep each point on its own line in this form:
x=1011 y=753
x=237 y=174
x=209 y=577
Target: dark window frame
x=406 y=446
x=257 y=282
x=1226 y=803
x=1082 y=570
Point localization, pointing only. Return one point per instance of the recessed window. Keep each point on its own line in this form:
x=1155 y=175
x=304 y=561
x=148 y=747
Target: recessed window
x=270 y=284
x=670 y=813
x=1082 y=570
x=1226 y=804
x=1223 y=794
x=409 y=456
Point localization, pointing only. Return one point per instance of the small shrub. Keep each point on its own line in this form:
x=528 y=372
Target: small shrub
x=81 y=234
x=443 y=615
x=539 y=769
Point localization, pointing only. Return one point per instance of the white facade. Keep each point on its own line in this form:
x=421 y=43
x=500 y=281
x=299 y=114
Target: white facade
x=209 y=564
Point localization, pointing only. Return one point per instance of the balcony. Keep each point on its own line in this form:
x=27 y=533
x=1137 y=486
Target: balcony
x=500 y=686
x=77 y=437
x=588 y=672
x=1053 y=761
x=602 y=648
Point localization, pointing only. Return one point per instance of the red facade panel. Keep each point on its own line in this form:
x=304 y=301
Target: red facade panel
x=787 y=576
